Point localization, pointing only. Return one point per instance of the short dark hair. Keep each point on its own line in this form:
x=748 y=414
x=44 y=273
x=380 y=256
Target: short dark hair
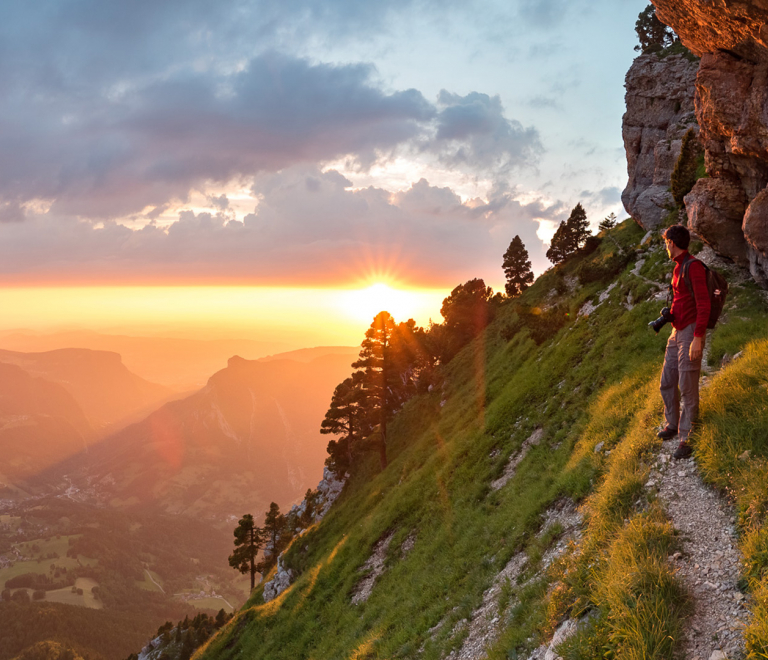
x=679 y=235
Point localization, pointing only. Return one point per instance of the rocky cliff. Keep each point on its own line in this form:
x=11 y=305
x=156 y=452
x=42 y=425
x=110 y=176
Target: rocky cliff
x=729 y=210
x=660 y=110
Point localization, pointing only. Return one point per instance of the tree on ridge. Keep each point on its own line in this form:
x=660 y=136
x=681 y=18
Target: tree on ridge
x=346 y=417
x=375 y=362
x=517 y=268
x=248 y=540
x=651 y=32
x=570 y=236
x=609 y=222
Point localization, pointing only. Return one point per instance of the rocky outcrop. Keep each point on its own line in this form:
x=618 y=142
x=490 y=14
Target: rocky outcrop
x=328 y=491
x=705 y=26
x=731 y=101
x=660 y=110
x=279 y=583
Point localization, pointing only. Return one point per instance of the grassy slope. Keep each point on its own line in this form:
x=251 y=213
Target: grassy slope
x=595 y=381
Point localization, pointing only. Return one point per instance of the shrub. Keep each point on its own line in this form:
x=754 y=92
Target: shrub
x=595 y=271
x=685 y=173
x=542 y=323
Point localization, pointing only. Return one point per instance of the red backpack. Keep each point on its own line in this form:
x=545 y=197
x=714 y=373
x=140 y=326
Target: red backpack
x=716 y=285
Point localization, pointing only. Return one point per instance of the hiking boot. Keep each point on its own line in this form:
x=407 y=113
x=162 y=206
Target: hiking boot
x=666 y=433
x=683 y=450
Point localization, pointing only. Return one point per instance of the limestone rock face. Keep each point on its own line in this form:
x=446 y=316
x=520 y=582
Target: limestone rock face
x=660 y=110
x=704 y=26
x=732 y=110
x=715 y=209
x=731 y=97
x=756 y=233
x=278 y=584
x=328 y=491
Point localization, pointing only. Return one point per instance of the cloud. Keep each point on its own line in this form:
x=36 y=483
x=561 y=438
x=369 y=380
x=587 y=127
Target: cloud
x=105 y=156
x=110 y=157
x=542 y=102
x=609 y=196
x=324 y=233
x=221 y=202
x=473 y=131
x=544 y=13
x=11 y=212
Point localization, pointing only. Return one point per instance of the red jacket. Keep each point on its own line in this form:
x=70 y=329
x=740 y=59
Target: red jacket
x=685 y=309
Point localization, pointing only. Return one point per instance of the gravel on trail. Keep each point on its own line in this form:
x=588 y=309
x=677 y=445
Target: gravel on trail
x=709 y=565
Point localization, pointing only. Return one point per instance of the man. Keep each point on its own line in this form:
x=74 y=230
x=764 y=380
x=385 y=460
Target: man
x=682 y=360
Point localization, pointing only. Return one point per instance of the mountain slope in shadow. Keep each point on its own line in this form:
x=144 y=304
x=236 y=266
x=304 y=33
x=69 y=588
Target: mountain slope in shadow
x=250 y=436
x=107 y=392
x=40 y=424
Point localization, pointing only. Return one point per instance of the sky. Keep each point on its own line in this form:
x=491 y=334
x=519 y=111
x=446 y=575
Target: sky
x=231 y=151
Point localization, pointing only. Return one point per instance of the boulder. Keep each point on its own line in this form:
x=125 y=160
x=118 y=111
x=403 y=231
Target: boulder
x=755 y=229
x=715 y=210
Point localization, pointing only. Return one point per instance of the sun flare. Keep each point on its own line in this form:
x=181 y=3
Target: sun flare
x=402 y=304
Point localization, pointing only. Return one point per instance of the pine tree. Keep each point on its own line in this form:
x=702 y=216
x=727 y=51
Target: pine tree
x=517 y=268
x=345 y=417
x=221 y=618
x=467 y=311
x=651 y=32
x=375 y=361
x=248 y=541
x=579 y=227
x=559 y=247
x=276 y=536
x=609 y=222
x=570 y=236
x=684 y=174
x=410 y=358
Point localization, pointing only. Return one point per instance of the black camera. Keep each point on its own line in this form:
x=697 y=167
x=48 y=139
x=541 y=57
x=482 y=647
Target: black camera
x=659 y=323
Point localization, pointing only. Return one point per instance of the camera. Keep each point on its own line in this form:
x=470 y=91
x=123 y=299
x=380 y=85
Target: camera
x=659 y=323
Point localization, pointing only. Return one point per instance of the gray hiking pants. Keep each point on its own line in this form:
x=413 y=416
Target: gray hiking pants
x=680 y=381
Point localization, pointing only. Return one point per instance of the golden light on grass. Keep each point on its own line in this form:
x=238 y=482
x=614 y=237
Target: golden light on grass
x=365 y=647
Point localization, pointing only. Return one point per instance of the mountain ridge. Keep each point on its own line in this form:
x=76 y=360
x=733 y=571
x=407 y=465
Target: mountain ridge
x=108 y=393
x=249 y=436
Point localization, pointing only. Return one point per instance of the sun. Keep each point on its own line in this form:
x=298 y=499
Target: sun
x=402 y=304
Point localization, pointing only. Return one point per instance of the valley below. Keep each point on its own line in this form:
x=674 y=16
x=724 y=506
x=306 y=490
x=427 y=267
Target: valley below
x=105 y=535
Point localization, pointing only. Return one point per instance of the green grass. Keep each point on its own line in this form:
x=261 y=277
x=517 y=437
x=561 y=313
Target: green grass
x=12 y=521
x=68 y=597
x=593 y=381
x=38 y=563
x=58 y=545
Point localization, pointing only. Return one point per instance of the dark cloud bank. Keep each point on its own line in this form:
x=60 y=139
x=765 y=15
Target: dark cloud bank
x=114 y=109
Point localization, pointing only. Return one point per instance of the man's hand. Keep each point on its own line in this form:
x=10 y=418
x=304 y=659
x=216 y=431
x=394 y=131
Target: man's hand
x=696 y=349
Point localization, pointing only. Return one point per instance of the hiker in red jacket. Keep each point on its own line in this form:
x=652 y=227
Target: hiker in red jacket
x=682 y=360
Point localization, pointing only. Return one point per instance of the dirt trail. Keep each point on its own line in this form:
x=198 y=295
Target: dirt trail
x=155 y=582
x=709 y=565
